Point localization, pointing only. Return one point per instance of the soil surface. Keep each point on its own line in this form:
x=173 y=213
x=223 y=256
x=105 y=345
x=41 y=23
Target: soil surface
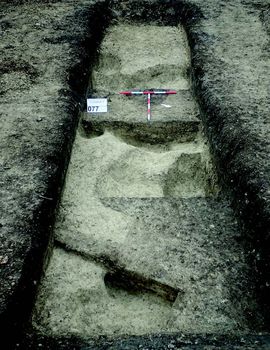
x=47 y=51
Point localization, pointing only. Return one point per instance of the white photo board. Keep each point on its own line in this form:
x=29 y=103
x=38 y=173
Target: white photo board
x=97 y=105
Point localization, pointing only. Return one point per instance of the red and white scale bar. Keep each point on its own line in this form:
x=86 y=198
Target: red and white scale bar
x=148 y=93
x=149 y=107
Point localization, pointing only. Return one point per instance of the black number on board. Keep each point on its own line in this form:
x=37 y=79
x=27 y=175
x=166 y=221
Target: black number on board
x=93 y=108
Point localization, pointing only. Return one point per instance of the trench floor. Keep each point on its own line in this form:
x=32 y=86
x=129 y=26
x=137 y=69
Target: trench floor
x=144 y=241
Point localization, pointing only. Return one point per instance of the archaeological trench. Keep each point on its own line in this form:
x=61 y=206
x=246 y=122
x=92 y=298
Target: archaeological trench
x=157 y=234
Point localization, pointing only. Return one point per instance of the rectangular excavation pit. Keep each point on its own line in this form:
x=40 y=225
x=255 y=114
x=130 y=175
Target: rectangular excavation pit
x=74 y=299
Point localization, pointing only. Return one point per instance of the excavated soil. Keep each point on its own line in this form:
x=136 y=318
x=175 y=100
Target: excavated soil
x=144 y=240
